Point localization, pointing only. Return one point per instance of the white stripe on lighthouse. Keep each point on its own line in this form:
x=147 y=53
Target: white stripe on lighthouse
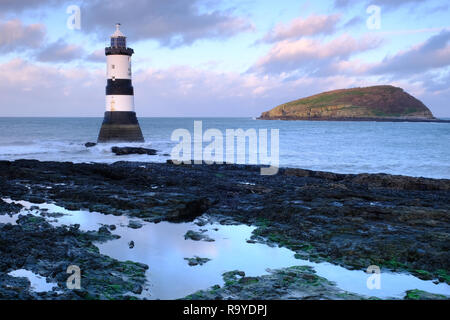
x=120 y=103
x=118 y=66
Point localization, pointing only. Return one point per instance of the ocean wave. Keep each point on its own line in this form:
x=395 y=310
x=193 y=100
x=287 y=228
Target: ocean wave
x=415 y=149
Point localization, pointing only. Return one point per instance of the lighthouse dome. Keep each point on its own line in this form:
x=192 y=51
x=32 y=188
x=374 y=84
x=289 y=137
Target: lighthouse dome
x=118 y=44
x=118 y=39
x=117 y=33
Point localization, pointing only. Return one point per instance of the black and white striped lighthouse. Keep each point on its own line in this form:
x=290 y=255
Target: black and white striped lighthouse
x=120 y=122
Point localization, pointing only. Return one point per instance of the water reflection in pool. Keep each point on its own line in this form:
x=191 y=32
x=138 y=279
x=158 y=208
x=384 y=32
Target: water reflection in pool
x=163 y=248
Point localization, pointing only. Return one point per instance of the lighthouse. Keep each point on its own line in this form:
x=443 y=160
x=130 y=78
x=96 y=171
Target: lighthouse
x=120 y=122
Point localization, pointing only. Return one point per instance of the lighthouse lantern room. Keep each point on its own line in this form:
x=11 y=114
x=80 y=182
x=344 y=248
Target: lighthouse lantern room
x=120 y=122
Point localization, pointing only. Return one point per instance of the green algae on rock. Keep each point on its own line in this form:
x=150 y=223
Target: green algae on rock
x=298 y=282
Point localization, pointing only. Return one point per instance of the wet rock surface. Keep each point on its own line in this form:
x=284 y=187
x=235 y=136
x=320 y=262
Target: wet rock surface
x=197 y=236
x=299 y=282
x=398 y=223
x=9 y=208
x=196 y=261
x=120 y=151
x=134 y=224
x=90 y=144
x=423 y=295
x=33 y=244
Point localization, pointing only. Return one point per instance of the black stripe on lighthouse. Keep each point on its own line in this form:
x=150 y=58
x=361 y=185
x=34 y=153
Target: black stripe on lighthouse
x=119 y=87
x=120 y=117
x=119 y=50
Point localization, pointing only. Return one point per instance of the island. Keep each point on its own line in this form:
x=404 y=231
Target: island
x=376 y=103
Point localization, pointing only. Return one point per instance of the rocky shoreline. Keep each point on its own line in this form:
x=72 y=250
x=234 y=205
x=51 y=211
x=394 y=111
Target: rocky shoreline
x=375 y=119
x=398 y=223
x=34 y=245
x=293 y=283
x=299 y=282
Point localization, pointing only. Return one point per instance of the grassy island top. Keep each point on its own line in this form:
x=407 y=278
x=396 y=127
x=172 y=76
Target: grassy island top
x=369 y=102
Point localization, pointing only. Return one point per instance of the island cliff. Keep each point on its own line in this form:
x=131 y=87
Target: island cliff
x=380 y=103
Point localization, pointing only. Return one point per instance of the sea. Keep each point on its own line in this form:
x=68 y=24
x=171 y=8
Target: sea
x=404 y=148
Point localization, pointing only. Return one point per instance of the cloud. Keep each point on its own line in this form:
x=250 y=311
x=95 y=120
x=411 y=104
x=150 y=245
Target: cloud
x=15 y=36
x=439 y=83
x=438 y=8
x=45 y=90
x=358 y=20
x=433 y=53
x=59 y=51
x=311 y=54
x=394 y=3
x=96 y=56
x=18 y=6
x=172 y=23
x=299 y=27
x=382 y=3
x=187 y=91
x=34 y=89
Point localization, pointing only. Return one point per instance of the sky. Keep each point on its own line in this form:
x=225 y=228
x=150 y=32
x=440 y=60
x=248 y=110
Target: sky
x=212 y=58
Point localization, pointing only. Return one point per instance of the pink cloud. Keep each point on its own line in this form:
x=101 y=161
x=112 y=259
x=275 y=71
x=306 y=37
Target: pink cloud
x=299 y=27
x=35 y=89
x=14 y=35
x=32 y=89
x=60 y=51
x=287 y=55
x=432 y=54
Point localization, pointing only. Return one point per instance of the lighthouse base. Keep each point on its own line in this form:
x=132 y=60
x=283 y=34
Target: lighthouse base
x=120 y=126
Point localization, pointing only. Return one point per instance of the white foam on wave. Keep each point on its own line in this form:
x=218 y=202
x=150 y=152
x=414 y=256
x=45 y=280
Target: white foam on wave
x=77 y=152
x=414 y=149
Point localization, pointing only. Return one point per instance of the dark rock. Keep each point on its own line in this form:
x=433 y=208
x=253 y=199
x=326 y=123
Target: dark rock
x=103 y=229
x=90 y=144
x=396 y=222
x=197 y=236
x=289 y=283
x=248 y=280
x=8 y=208
x=134 y=224
x=423 y=295
x=132 y=150
x=196 y=261
x=131 y=244
x=75 y=227
x=189 y=210
x=48 y=251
